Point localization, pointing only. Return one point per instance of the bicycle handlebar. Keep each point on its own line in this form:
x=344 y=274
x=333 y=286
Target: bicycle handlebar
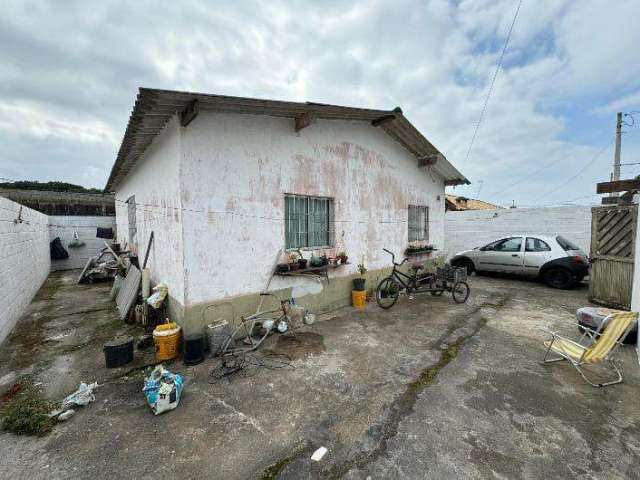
x=393 y=258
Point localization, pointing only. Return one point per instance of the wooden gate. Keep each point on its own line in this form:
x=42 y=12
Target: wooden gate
x=613 y=233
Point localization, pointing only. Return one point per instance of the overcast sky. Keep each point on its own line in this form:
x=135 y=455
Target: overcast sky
x=70 y=71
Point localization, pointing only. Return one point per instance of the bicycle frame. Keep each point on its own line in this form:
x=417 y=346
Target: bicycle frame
x=408 y=282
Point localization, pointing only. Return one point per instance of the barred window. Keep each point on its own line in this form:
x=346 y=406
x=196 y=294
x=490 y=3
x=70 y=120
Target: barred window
x=418 y=223
x=307 y=221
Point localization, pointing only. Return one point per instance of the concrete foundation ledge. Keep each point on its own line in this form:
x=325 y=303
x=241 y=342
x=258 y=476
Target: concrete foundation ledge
x=335 y=293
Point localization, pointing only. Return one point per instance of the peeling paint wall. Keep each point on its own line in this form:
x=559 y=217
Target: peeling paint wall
x=155 y=182
x=236 y=170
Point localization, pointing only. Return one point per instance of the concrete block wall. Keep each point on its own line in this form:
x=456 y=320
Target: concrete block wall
x=474 y=228
x=64 y=227
x=24 y=260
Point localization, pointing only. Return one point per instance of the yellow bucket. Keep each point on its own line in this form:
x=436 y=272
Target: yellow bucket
x=358 y=298
x=167 y=340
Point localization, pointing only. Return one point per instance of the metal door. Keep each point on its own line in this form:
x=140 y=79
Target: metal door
x=613 y=233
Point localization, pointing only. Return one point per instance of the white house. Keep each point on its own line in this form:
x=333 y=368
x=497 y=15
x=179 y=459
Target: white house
x=225 y=183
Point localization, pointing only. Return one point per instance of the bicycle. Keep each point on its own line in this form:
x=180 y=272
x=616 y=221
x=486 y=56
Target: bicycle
x=446 y=279
x=259 y=325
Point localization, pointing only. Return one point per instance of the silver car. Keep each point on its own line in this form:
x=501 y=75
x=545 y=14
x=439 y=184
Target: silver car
x=553 y=259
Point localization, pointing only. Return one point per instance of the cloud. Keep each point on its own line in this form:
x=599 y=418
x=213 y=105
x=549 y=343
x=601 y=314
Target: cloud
x=70 y=76
x=627 y=102
x=32 y=120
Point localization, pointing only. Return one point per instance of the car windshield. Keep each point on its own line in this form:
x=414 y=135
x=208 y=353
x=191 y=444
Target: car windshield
x=566 y=244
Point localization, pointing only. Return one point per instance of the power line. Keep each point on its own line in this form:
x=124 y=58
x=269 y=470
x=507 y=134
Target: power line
x=493 y=81
x=595 y=157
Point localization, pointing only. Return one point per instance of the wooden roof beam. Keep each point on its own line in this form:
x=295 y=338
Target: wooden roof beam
x=189 y=113
x=303 y=121
x=618 y=186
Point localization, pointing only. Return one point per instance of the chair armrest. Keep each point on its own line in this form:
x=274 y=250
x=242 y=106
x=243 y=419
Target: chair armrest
x=546 y=330
x=565 y=339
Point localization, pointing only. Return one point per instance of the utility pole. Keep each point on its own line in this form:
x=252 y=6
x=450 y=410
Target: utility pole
x=616 y=157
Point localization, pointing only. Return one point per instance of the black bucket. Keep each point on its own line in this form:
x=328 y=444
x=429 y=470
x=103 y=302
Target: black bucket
x=118 y=352
x=193 y=349
x=358 y=284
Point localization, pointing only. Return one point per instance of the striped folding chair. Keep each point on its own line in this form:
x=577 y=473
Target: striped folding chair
x=594 y=347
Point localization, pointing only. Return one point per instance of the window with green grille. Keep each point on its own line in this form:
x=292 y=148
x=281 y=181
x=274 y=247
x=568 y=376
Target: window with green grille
x=307 y=221
x=418 y=223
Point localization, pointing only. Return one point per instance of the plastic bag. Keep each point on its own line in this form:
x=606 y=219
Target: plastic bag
x=160 y=292
x=162 y=390
x=82 y=396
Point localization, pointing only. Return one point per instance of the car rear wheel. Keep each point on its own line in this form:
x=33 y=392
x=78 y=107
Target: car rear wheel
x=558 y=278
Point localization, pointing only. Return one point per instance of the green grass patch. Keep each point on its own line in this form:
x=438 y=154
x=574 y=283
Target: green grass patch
x=27 y=412
x=428 y=375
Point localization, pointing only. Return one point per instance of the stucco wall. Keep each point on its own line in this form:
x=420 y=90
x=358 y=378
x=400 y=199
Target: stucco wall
x=64 y=227
x=155 y=182
x=236 y=170
x=24 y=260
x=474 y=228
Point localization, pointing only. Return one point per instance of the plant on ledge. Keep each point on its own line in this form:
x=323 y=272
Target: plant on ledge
x=415 y=249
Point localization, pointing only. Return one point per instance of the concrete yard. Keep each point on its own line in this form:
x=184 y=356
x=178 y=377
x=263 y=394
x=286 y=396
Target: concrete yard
x=428 y=389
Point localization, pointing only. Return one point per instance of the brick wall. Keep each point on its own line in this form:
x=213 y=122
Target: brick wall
x=24 y=260
x=475 y=228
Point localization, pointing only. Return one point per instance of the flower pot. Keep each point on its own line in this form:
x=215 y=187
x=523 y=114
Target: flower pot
x=358 y=284
x=293 y=266
x=315 y=262
x=302 y=262
x=282 y=267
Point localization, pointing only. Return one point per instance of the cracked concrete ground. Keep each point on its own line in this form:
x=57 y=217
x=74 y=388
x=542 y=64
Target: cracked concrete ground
x=428 y=389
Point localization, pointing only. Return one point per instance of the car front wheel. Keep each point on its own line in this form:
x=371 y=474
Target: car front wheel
x=464 y=263
x=558 y=278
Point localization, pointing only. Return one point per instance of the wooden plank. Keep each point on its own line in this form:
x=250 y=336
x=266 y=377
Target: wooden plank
x=618 y=186
x=610 y=200
x=128 y=292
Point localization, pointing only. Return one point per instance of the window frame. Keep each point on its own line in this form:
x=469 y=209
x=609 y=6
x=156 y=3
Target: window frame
x=410 y=229
x=491 y=247
x=308 y=216
x=526 y=249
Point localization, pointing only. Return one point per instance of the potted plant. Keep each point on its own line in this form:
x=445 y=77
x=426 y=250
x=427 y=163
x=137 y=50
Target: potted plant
x=302 y=262
x=359 y=283
x=293 y=261
x=315 y=261
x=343 y=257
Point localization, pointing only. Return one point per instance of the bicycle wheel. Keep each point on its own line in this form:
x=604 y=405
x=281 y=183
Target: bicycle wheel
x=460 y=292
x=387 y=293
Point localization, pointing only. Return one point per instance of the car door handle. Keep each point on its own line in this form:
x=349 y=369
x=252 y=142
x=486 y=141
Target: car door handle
x=515 y=255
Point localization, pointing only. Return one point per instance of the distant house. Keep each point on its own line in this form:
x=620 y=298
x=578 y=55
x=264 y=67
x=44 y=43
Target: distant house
x=458 y=203
x=232 y=185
